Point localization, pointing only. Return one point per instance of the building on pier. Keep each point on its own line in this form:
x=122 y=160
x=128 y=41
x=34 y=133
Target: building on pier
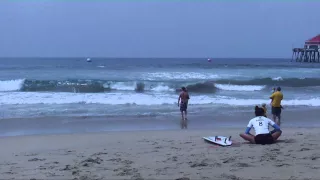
x=309 y=53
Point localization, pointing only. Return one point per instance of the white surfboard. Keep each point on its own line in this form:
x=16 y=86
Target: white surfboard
x=220 y=140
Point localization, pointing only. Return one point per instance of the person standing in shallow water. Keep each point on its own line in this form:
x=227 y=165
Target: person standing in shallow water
x=183 y=104
x=276 y=99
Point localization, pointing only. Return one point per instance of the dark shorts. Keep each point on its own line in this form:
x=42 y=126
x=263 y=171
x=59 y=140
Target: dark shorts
x=276 y=111
x=183 y=107
x=264 y=139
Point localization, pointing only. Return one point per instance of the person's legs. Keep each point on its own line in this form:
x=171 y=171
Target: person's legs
x=273 y=114
x=182 y=120
x=248 y=137
x=185 y=120
x=278 y=116
x=276 y=135
x=183 y=109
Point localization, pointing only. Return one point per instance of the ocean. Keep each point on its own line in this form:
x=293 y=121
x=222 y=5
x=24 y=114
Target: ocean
x=110 y=87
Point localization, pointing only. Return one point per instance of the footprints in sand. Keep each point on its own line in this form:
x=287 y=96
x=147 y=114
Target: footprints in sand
x=282 y=164
x=313 y=157
x=179 y=159
x=126 y=169
x=241 y=165
x=183 y=178
x=99 y=160
x=99 y=154
x=36 y=159
x=204 y=163
x=228 y=176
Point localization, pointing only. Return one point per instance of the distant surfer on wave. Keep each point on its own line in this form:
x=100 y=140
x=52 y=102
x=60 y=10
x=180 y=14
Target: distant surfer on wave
x=183 y=104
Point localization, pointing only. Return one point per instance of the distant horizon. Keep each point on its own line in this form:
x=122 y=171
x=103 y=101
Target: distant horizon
x=91 y=57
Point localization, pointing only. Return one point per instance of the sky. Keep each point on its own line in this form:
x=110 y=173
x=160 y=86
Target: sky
x=215 y=29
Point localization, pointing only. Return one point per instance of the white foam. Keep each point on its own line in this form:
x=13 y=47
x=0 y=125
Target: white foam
x=230 y=87
x=161 y=88
x=134 y=98
x=129 y=86
x=11 y=85
x=123 y=86
x=277 y=78
x=179 y=75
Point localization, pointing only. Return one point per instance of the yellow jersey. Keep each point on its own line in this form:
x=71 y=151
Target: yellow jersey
x=276 y=99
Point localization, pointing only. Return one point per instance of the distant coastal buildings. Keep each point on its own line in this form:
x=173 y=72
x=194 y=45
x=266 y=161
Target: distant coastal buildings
x=309 y=53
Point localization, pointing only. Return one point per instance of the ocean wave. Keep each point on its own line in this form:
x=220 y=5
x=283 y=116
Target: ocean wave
x=179 y=75
x=277 y=78
x=230 y=87
x=81 y=86
x=99 y=86
x=276 y=81
x=11 y=85
x=96 y=86
x=135 y=99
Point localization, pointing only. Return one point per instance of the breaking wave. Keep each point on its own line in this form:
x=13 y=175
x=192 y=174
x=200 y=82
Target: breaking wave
x=135 y=99
x=98 y=86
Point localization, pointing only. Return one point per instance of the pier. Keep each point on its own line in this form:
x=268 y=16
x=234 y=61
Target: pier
x=309 y=53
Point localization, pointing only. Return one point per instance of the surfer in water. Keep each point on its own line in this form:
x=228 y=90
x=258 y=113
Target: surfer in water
x=183 y=104
x=261 y=126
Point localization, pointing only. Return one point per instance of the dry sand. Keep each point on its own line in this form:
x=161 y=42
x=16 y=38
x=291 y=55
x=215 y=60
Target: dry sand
x=159 y=155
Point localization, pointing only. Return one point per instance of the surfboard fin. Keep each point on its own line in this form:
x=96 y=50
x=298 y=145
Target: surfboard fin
x=229 y=138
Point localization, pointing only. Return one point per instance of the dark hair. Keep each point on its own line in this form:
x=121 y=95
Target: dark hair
x=278 y=88
x=258 y=111
x=184 y=89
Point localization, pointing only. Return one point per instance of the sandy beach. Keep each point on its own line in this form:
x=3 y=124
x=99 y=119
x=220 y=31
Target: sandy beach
x=172 y=154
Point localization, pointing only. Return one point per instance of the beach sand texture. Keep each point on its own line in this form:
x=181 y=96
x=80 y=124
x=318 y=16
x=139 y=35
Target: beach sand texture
x=159 y=155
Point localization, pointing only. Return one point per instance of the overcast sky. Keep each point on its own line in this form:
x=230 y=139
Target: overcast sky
x=156 y=29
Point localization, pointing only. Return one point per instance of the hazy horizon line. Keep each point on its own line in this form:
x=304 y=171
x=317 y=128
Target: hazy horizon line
x=106 y=57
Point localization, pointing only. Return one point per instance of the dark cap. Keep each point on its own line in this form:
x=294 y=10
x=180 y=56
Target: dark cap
x=279 y=88
x=258 y=111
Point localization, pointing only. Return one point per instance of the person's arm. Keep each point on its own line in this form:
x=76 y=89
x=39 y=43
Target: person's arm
x=271 y=97
x=179 y=99
x=275 y=126
x=248 y=128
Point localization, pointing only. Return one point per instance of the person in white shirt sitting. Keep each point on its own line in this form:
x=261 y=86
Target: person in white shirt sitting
x=261 y=126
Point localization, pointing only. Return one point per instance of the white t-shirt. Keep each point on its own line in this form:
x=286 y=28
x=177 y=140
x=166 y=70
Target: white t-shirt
x=260 y=124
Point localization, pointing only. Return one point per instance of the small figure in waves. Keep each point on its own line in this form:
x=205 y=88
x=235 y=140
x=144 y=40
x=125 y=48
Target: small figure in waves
x=183 y=104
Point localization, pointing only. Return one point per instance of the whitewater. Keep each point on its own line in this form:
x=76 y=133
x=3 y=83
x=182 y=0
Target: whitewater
x=105 y=86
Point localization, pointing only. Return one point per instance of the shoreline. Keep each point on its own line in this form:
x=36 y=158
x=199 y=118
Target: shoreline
x=204 y=120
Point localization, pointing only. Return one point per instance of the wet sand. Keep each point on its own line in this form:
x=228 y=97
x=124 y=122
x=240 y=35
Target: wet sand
x=205 y=119
x=175 y=154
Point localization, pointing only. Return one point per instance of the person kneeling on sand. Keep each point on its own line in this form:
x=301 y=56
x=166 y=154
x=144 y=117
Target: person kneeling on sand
x=261 y=127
